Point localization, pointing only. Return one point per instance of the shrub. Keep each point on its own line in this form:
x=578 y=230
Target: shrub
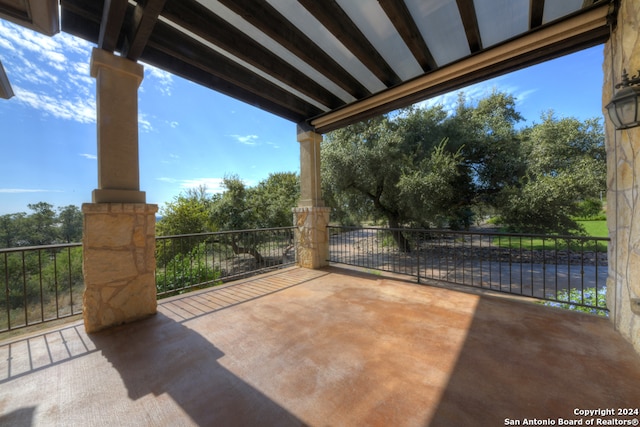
x=187 y=271
x=568 y=300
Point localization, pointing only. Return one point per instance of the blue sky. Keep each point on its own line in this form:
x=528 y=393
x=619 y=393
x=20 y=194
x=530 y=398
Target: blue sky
x=190 y=135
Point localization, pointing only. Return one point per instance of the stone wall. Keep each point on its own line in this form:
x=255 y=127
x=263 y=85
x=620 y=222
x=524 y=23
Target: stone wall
x=118 y=263
x=622 y=51
x=312 y=237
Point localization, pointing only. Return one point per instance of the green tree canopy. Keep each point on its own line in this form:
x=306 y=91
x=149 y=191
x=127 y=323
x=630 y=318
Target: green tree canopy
x=424 y=166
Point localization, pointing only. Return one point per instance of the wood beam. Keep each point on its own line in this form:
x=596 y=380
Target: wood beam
x=536 y=11
x=113 y=13
x=199 y=20
x=226 y=76
x=267 y=19
x=401 y=18
x=470 y=23
x=144 y=19
x=551 y=41
x=336 y=20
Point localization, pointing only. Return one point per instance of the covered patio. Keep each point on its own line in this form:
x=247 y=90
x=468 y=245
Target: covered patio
x=332 y=346
x=321 y=345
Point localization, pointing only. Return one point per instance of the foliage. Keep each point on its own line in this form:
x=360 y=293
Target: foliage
x=590 y=207
x=39 y=275
x=400 y=165
x=186 y=270
x=274 y=198
x=70 y=223
x=565 y=165
x=423 y=167
x=589 y=296
x=187 y=213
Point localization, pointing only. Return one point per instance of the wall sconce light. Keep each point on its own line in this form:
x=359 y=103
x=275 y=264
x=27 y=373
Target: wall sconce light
x=624 y=108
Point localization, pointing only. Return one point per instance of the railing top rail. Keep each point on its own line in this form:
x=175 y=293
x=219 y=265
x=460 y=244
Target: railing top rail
x=43 y=247
x=217 y=233
x=479 y=233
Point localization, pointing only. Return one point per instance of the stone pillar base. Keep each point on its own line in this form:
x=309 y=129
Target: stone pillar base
x=312 y=237
x=119 y=263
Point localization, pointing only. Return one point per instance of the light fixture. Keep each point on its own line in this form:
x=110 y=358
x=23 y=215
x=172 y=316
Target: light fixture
x=624 y=108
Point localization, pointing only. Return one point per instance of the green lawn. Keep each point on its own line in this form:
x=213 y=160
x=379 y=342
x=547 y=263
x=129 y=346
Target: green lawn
x=595 y=228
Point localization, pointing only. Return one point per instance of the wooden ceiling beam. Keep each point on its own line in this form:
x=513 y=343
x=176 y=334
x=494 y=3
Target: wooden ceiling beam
x=113 y=14
x=336 y=20
x=228 y=74
x=550 y=41
x=470 y=23
x=199 y=20
x=144 y=19
x=201 y=77
x=401 y=18
x=536 y=12
x=267 y=19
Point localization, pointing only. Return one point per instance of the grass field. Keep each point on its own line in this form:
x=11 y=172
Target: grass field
x=595 y=228
x=592 y=228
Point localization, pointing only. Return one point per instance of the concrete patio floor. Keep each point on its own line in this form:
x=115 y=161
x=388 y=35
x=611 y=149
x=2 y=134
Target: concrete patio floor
x=332 y=347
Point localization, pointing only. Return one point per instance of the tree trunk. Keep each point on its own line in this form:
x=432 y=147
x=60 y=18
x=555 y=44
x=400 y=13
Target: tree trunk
x=249 y=251
x=398 y=237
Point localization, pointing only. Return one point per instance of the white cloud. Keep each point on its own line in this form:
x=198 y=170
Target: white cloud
x=174 y=124
x=51 y=74
x=245 y=139
x=213 y=185
x=27 y=190
x=144 y=123
x=89 y=156
x=77 y=109
x=162 y=80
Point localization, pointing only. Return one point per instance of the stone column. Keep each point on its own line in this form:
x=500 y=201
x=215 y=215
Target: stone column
x=622 y=51
x=119 y=227
x=119 y=263
x=311 y=217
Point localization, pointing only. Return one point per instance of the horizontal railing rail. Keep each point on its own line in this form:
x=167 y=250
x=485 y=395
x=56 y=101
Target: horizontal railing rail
x=566 y=271
x=40 y=284
x=192 y=261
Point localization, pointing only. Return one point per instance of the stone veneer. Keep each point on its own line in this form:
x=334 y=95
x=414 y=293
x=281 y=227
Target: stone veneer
x=312 y=237
x=118 y=263
x=622 y=51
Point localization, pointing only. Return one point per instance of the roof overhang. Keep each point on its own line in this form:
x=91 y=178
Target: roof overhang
x=39 y=15
x=326 y=64
x=573 y=34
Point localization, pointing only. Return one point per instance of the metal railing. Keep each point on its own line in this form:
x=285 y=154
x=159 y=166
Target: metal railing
x=199 y=260
x=565 y=271
x=44 y=283
x=40 y=284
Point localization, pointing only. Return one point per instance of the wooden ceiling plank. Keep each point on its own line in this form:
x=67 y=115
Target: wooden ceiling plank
x=199 y=20
x=470 y=23
x=175 y=44
x=536 y=11
x=145 y=18
x=112 y=19
x=267 y=19
x=404 y=23
x=336 y=20
x=162 y=60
